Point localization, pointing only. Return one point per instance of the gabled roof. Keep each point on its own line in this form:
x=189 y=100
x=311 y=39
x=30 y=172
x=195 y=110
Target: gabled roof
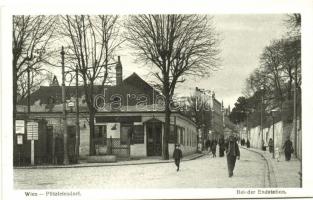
x=133 y=84
x=135 y=80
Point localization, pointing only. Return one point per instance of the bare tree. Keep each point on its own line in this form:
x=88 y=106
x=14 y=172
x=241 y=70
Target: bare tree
x=293 y=24
x=178 y=46
x=32 y=36
x=199 y=110
x=37 y=78
x=92 y=41
x=280 y=68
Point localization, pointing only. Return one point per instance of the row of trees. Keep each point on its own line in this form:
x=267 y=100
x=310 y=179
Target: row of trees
x=272 y=84
x=175 y=45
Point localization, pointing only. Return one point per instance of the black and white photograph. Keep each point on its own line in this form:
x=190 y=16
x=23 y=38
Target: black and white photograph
x=110 y=101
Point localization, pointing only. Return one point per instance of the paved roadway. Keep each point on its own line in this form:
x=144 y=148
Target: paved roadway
x=204 y=172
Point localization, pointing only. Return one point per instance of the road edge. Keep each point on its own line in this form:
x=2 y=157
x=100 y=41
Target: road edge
x=196 y=156
x=271 y=177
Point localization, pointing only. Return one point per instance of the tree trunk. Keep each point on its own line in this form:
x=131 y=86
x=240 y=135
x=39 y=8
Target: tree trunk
x=165 y=153
x=289 y=83
x=166 y=91
x=92 y=131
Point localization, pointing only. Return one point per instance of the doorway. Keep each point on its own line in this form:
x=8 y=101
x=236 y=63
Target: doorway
x=154 y=138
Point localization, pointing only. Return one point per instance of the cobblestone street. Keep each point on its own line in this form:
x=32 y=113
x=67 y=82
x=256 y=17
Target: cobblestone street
x=204 y=172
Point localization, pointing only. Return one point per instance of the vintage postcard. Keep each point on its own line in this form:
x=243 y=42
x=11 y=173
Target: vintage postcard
x=156 y=100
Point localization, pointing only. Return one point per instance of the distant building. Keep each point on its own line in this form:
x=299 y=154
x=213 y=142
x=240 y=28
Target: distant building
x=229 y=128
x=214 y=109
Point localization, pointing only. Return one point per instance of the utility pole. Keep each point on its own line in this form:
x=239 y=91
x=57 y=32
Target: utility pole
x=273 y=135
x=262 y=120
x=65 y=160
x=247 y=125
x=295 y=112
x=28 y=91
x=32 y=142
x=77 y=136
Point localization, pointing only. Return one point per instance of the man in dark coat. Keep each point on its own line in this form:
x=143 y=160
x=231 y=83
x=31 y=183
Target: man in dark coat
x=207 y=144
x=232 y=152
x=221 y=146
x=271 y=145
x=213 y=148
x=177 y=155
x=248 y=143
x=288 y=149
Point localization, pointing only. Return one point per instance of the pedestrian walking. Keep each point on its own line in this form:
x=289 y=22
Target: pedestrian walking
x=243 y=142
x=207 y=144
x=288 y=149
x=232 y=152
x=271 y=145
x=248 y=143
x=177 y=155
x=221 y=147
x=213 y=148
x=263 y=146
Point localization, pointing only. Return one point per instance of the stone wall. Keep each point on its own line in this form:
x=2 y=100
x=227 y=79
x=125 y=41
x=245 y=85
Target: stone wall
x=281 y=131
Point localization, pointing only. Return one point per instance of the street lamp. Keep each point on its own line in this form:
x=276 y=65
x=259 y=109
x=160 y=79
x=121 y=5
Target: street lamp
x=262 y=90
x=65 y=159
x=272 y=113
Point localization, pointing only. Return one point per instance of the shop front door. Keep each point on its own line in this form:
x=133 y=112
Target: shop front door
x=154 y=138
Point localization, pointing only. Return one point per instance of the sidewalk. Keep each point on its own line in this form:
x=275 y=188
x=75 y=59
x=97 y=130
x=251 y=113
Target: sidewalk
x=283 y=174
x=141 y=161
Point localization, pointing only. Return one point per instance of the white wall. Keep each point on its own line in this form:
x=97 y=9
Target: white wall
x=113 y=133
x=281 y=132
x=255 y=137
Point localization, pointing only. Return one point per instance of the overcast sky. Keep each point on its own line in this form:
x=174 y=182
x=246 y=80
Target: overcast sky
x=243 y=39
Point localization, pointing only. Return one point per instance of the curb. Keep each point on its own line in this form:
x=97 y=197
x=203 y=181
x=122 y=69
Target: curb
x=106 y=164
x=271 y=177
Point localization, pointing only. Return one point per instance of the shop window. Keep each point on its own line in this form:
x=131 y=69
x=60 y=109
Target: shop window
x=187 y=138
x=138 y=135
x=126 y=133
x=100 y=134
x=173 y=134
x=184 y=136
x=181 y=136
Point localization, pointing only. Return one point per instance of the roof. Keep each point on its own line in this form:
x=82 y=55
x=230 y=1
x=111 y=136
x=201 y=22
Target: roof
x=133 y=84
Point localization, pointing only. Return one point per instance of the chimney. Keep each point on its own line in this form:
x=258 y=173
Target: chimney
x=119 y=72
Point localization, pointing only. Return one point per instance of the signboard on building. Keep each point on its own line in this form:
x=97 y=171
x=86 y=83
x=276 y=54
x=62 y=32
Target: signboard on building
x=122 y=119
x=71 y=104
x=19 y=126
x=19 y=139
x=32 y=130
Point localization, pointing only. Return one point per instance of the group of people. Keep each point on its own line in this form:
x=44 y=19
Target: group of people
x=229 y=146
x=287 y=147
x=211 y=145
x=243 y=142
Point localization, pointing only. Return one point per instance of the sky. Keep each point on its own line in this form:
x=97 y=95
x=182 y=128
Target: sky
x=243 y=38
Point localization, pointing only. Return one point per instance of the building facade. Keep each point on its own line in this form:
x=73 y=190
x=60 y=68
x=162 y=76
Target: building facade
x=129 y=122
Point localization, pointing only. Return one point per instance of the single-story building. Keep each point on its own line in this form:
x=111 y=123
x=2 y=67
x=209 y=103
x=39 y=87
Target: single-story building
x=129 y=122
